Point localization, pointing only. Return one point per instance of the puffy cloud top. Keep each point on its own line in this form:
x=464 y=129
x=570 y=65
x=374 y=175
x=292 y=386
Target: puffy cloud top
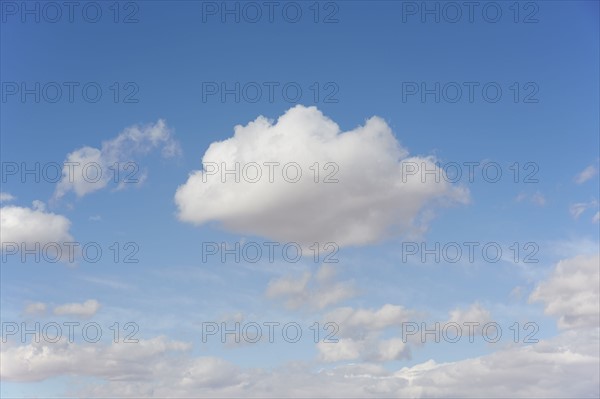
x=373 y=195
x=33 y=225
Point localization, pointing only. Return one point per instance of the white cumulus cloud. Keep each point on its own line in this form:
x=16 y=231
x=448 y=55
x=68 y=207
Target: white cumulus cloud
x=571 y=293
x=375 y=195
x=28 y=226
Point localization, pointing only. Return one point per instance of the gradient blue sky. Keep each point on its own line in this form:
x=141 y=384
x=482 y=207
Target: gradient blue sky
x=368 y=54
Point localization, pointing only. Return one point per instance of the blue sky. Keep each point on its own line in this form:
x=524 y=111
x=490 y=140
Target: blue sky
x=363 y=63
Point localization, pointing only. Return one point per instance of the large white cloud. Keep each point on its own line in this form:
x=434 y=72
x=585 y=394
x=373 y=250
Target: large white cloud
x=375 y=195
x=571 y=293
x=80 y=170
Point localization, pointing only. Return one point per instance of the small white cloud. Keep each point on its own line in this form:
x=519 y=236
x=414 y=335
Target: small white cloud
x=369 y=348
x=376 y=196
x=476 y=313
x=89 y=169
x=536 y=198
x=521 y=197
x=586 y=174
x=360 y=335
x=344 y=349
x=312 y=291
x=28 y=226
x=35 y=308
x=6 y=197
x=39 y=205
x=577 y=209
x=86 y=309
x=358 y=321
x=596 y=217
x=95 y=218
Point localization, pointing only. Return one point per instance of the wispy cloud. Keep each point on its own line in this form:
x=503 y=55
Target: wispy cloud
x=586 y=174
x=114 y=155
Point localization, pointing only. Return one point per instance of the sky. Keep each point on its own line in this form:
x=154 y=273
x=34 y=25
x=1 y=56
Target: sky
x=300 y=199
